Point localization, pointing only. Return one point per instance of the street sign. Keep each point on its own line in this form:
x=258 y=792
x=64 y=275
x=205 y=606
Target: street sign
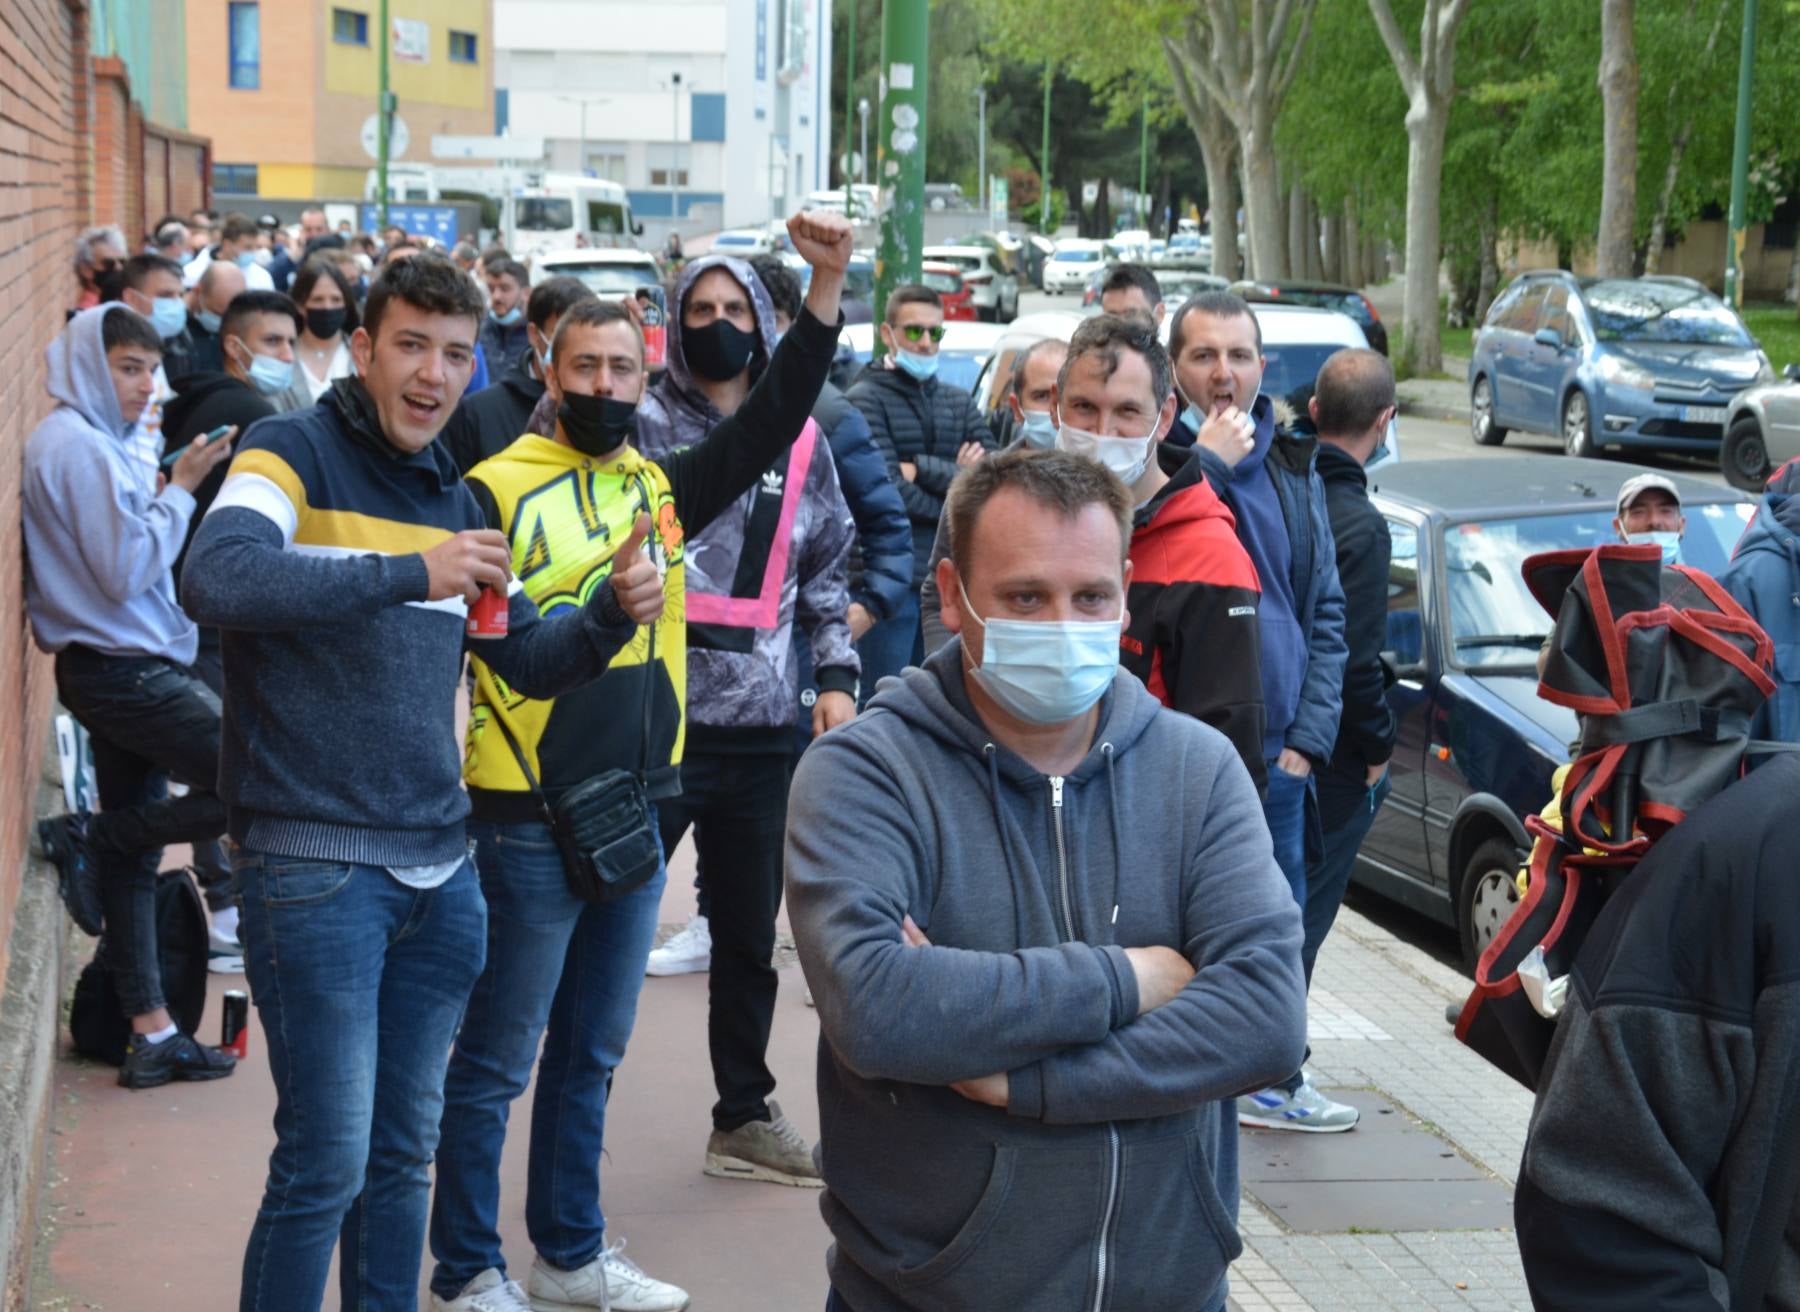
x=435 y=221
x=512 y=148
x=850 y=165
x=398 y=137
x=998 y=201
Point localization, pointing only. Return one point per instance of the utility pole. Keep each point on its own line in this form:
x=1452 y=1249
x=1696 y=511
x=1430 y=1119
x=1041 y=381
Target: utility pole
x=862 y=112
x=900 y=142
x=1740 y=164
x=849 y=100
x=384 y=116
x=981 y=178
x=1044 y=189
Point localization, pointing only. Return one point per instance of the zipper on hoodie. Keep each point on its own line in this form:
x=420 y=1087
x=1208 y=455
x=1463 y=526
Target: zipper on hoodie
x=1112 y=1131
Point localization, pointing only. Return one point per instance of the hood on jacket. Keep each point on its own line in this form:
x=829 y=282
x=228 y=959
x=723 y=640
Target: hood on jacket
x=676 y=378
x=933 y=698
x=350 y=403
x=1777 y=520
x=1186 y=498
x=76 y=374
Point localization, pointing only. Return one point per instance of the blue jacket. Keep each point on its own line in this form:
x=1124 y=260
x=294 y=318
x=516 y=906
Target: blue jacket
x=1318 y=595
x=1764 y=576
x=881 y=568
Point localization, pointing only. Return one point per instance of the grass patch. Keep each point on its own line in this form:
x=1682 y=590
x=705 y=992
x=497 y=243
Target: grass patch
x=1778 y=329
x=1458 y=342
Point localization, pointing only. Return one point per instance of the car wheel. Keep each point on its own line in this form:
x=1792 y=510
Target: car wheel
x=1578 y=426
x=1481 y=414
x=1743 y=456
x=1487 y=896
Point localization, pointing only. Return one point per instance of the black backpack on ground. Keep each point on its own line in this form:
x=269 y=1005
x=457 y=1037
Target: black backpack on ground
x=98 y=1024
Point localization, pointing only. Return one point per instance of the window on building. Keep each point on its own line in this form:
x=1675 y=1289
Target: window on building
x=246 y=45
x=608 y=164
x=349 y=28
x=462 y=47
x=234 y=179
x=668 y=165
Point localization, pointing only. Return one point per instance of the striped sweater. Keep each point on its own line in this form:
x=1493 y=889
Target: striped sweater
x=341 y=678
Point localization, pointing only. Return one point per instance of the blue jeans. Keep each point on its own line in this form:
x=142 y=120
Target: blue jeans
x=1348 y=807
x=889 y=647
x=360 y=982
x=1284 y=810
x=554 y=963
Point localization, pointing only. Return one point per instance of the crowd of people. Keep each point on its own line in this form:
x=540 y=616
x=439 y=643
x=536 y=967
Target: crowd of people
x=934 y=675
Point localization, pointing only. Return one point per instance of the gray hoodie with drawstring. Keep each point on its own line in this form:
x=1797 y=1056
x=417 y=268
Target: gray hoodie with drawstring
x=1111 y=1179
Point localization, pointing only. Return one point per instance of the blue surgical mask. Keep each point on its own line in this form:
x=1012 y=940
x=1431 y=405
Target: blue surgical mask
x=1038 y=429
x=245 y=259
x=270 y=376
x=208 y=320
x=169 y=315
x=1667 y=539
x=919 y=366
x=1046 y=671
x=510 y=318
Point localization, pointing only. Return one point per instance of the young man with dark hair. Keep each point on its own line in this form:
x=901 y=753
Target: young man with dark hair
x=489 y=421
x=1132 y=289
x=99 y=542
x=239 y=239
x=1269 y=480
x=504 y=337
x=929 y=431
x=559 y=969
x=342 y=560
x=777 y=558
x=881 y=567
x=1036 y=992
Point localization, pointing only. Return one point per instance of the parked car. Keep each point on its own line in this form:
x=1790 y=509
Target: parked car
x=947 y=281
x=1477 y=746
x=1184 y=279
x=945 y=196
x=1072 y=266
x=1322 y=296
x=615 y=273
x=990 y=279
x=1604 y=362
x=964 y=350
x=1762 y=431
x=858 y=296
x=742 y=242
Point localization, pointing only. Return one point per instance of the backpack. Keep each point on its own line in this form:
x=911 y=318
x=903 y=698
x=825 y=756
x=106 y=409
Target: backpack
x=98 y=1024
x=1665 y=670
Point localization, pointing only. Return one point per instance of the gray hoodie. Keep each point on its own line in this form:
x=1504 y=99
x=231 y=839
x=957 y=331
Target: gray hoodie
x=779 y=558
x=1111 y=1180
x=98 y=541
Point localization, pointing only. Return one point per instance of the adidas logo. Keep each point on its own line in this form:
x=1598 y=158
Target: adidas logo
x=772 y=482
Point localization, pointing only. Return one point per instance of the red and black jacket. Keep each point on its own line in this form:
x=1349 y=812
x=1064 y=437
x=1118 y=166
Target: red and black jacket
x=1193 y=601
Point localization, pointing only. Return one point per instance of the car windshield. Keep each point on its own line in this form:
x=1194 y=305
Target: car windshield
x=1344 y=302
x=544 y=214
x=733 y=239
x=967 y=263
x=608 y=280
x=1291 y=366
x=1494 y=619
x=948 y=284
x=1076 y=257
x=1634 y=310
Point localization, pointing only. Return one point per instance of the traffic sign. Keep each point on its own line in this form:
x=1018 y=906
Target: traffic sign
x=398 y=137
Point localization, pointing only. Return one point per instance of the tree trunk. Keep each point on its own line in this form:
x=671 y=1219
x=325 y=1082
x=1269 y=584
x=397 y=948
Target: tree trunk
x=1218 y=152
x=1315 y=230
x=1296 y=231
x=1426 y=122
x=1331 y=266
x=1490 y=259
x=1619 y=97
x=1263 y=204
x=1356 y=269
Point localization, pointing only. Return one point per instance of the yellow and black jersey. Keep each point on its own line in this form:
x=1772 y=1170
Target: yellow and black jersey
x=565 y=514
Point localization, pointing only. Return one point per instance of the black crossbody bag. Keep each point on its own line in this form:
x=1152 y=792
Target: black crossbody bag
x=603 y=826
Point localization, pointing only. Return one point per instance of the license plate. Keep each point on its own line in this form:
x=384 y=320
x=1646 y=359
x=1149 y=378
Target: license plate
x=1703 y=414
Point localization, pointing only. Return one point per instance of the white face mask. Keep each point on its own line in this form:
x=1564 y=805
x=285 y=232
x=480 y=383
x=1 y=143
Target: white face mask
x=1046 y=671
x=1125 y=456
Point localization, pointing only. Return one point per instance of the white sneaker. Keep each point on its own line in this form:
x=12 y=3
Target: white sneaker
x=488 y=1292
x=612 y=1282
x=686 y=953
x=224 y=954
x=1306 y=1109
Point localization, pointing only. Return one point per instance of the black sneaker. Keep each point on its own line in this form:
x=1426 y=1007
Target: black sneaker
x=178 y=1058
x=64 y=841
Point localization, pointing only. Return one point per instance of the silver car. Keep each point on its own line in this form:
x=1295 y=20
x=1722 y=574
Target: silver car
x=1762 y=431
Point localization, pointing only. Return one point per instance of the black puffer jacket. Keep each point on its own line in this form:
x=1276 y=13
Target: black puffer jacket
x=1366 y=729
x=924 y=425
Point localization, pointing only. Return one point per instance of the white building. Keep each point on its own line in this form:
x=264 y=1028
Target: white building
x=713 y=111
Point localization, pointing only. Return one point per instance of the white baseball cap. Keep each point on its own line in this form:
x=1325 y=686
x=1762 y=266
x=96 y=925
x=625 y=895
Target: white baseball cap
x=1639 y=484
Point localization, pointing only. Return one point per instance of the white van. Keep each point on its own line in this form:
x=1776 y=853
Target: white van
x=562 y=211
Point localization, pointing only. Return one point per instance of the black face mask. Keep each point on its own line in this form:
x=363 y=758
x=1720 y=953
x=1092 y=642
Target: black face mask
x=720 y=351
x=596 y=425
x=325 y=324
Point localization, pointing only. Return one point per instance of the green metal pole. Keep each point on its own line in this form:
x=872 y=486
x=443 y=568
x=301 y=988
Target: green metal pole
x=1044 y=188
x=1740 y=162
x=900 y=144
x=383 y=120
x=1144 y=165
x=849 y=109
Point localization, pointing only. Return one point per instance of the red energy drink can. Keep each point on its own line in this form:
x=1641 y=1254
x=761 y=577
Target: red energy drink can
x=234 y=1036
x=487 y=617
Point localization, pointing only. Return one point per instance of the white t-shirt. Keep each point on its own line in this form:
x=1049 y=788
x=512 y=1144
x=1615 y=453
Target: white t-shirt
x=340 y=367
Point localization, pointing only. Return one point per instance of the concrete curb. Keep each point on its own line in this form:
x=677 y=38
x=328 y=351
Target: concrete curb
x=30 y=1016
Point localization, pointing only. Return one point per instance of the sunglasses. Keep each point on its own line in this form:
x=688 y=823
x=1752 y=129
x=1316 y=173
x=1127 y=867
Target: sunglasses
x=916 y=332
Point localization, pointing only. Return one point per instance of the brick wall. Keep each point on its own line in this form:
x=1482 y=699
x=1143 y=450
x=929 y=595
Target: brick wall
x=43 y=198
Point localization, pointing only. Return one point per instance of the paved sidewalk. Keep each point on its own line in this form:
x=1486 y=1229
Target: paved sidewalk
x=151 y=1194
